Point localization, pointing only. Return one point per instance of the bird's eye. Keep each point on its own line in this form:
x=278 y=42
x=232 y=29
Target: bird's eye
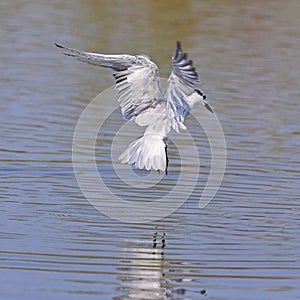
x=200 y=93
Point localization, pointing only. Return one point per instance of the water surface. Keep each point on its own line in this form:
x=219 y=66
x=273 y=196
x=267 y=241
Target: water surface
x=243 y=245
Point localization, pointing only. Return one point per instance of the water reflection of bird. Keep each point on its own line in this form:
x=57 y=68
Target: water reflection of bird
x=142 y=275
x=148 y=273
x=143 y=100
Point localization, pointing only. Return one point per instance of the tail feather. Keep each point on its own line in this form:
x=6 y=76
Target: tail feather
x=147 y=152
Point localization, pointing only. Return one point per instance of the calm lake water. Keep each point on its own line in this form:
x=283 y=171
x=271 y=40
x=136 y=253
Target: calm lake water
x=243 y=245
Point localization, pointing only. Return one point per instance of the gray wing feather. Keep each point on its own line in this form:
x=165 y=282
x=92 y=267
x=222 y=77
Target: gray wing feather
x=181 y=84
x=138 y=88
x=137 y=79
x=183 y=68
x=115 y=62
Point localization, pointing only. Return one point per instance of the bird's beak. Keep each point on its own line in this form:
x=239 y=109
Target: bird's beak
x=206 y=105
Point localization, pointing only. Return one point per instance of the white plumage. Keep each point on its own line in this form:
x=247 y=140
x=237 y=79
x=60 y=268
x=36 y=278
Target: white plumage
x=143 y=100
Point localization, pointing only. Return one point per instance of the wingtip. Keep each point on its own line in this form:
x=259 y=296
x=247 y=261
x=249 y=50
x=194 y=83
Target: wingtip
x=65 y=50
x=178 y=49
x=57 y=45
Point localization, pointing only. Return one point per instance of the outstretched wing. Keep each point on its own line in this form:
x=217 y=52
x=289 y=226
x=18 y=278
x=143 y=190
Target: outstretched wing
x=182 y=89
x=137 y=79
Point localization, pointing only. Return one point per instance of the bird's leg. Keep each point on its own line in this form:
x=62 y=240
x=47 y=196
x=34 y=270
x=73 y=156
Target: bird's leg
x=155 y=240
x=167 y=160
x=163 y=240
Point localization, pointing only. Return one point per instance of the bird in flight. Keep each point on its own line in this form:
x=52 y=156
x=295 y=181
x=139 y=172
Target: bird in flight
x=142 y=99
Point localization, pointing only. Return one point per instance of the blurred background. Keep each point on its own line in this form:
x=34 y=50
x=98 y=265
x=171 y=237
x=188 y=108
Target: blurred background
x=243 y=245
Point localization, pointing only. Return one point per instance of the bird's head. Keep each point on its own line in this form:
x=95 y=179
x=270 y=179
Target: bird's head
x=199 y=96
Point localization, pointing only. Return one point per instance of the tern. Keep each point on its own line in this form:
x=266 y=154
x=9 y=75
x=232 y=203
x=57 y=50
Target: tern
x=142 y=99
